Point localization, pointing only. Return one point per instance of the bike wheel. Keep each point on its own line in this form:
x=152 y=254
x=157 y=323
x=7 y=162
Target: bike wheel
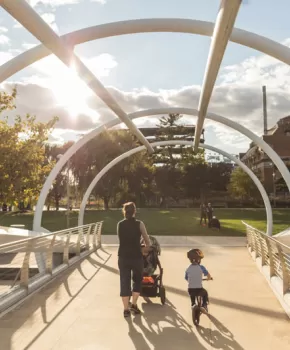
x=197 y=317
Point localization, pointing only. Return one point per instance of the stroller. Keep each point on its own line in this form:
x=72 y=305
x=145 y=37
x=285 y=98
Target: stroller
x=152 y=285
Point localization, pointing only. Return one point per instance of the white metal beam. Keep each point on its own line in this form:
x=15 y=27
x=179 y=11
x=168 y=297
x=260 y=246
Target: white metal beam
x=30 y=19
x=223 y=28
x=149 y=25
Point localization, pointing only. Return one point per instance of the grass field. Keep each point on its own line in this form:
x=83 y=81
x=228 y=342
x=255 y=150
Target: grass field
x=183 y=222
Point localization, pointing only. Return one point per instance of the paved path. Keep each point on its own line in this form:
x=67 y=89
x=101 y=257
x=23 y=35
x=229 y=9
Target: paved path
x=82 y=310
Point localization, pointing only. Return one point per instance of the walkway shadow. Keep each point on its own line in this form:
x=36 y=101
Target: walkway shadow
x=232 y=305
x=219 y=338
x=14 y=320
x=162 y=327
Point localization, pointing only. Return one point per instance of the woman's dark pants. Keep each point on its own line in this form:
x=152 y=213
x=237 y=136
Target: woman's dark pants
x=130 y=268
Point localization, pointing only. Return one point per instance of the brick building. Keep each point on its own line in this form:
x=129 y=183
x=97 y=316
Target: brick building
x=278 y=137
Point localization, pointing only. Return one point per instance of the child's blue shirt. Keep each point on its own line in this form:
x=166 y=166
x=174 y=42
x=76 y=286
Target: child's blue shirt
x=193 y=275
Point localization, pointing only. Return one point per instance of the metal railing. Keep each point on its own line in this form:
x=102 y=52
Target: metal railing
x=272 y=253
x=27 y=264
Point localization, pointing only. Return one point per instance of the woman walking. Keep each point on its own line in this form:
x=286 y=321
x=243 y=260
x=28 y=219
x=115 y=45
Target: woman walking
x=130 y=260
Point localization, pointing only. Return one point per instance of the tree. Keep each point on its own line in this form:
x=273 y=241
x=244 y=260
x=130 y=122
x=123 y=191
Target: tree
x=139 y=175
x=96 y=154
x=242 y=186
x=219 y=175
x=23 y=167
x=58 y=190
x=7 y=101
x=173 y=160
x=196 y=180
x=170 y=129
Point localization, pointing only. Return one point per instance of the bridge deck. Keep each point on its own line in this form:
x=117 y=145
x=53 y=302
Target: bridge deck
x=82 y=310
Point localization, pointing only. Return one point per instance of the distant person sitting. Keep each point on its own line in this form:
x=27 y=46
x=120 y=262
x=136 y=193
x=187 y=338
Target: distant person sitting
x=214 y=223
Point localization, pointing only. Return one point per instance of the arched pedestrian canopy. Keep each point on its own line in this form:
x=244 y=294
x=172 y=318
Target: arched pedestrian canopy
x=151 y=113
x=62 y=47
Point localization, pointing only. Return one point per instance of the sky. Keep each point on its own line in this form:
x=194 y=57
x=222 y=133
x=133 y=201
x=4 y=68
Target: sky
x=150 y=70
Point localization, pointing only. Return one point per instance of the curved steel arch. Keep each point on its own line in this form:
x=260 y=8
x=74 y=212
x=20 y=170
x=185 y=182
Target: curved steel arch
x=151 y=112
x=186 y=143
x=150 y=25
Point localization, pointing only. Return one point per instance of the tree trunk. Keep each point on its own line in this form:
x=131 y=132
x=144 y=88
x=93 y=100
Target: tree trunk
x=56 y=204
x=106 y=203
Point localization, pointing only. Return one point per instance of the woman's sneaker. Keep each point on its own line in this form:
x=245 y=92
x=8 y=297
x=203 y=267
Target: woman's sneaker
x=127 y=313
x=135 y=309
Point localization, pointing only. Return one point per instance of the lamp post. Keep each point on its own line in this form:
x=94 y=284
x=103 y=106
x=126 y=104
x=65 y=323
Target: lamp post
x=67 y=193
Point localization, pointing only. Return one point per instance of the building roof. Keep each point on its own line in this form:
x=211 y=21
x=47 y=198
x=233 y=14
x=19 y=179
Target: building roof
x=281 y=122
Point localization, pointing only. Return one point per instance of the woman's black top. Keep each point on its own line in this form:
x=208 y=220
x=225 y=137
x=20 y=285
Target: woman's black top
x=129 y=233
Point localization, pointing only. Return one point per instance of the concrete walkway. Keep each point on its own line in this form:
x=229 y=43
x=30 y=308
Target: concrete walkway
x=187 y=241
x=82 y=310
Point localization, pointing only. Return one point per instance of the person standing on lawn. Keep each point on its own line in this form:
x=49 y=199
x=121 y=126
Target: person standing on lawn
x=209 y=211
x=203 y=213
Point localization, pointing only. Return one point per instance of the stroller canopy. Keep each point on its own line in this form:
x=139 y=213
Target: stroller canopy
x=151 y=260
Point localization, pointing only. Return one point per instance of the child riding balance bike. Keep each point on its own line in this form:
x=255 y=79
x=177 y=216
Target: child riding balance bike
x=193 y=275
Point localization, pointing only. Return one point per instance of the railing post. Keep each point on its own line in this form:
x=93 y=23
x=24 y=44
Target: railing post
x=285 y=273
x=80 y=235
x=48 y=264
x=263 y=251
x=249 y=241
x=24 y=275
x=255 y=246
x=88 y=237
x=271 y=260
x=95 y=236
x=66 y=249
x=99 y=234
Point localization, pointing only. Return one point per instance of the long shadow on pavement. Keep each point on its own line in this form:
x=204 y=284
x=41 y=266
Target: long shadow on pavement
x=216 y=301
x=163 y=328
x=219 y=338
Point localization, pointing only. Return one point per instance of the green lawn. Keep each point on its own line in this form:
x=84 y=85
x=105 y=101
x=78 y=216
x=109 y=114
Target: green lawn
x=184 y=222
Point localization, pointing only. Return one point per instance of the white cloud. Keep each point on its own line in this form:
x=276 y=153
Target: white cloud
x=17 y=25
x=3 y=30
x=28 y=46
x=238 y=96
x=4 y=40
x=52 y=3
x=49 y=18
x=100 y=1
x=5 y=56
x=101 y=65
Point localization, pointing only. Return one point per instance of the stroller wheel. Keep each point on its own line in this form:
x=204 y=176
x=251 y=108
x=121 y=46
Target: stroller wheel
x=162 y=295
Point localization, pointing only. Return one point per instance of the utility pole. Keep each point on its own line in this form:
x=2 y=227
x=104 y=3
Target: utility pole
x=265 y=116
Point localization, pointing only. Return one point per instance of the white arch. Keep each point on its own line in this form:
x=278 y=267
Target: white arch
x=186 y=143
x=149 y=25
x=151 y=112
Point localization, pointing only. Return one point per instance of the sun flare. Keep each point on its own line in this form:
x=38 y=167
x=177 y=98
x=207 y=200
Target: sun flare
x=70 y=91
